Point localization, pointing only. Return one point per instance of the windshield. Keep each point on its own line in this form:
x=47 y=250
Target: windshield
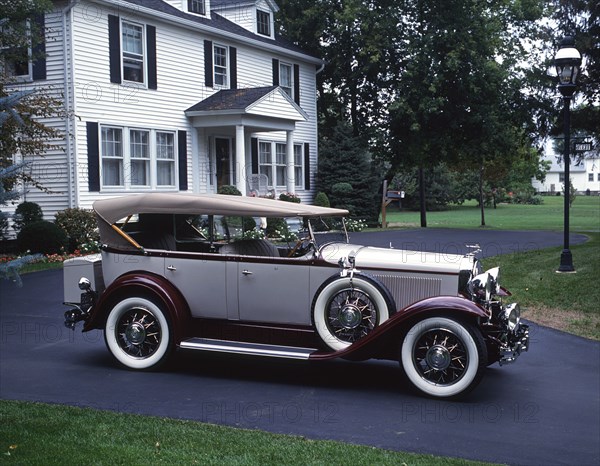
x=328 y=230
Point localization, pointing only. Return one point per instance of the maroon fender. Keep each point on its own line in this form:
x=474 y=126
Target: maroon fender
x=370 y=345
x=155 y=285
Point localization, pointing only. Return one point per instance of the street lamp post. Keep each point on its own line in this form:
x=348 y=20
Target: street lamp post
x=567 y=62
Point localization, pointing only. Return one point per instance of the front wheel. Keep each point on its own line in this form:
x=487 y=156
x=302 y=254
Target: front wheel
x=137 y=333
x=442 y=357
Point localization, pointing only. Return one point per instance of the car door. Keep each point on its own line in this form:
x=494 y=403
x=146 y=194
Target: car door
x=202 y=280
x=273 y=290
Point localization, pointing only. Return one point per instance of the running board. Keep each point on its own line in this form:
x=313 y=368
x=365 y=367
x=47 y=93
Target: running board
x=252 y=349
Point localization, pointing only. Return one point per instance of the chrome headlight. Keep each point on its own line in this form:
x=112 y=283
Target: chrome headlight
x=485 y=285
x=512 y=316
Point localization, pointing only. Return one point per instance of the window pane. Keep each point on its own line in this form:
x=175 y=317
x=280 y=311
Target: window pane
x=263 y=23
x=112 y=172
x=285 y=78
x=133 y=52
x=112 y=156
x=196 y=6
x=220 y=65
x=264 y=153
x=138 y=141
x=165 y=173
x=165 y=147
x=280 y=155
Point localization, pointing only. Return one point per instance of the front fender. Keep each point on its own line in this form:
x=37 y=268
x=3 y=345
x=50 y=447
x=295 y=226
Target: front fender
x=147 y=283
x=375 y=344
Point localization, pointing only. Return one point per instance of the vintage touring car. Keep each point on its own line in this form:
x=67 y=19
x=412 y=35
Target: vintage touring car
x=198 y=272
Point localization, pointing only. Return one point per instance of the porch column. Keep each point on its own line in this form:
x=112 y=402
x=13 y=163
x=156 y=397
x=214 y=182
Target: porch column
x=289 y=153
x=240 y=159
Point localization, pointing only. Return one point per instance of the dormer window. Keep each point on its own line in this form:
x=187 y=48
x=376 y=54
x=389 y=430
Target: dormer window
x=196 y=7
x=263 y=23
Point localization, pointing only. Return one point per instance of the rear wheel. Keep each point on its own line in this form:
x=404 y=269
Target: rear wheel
x=137 y=333
x=443 y=357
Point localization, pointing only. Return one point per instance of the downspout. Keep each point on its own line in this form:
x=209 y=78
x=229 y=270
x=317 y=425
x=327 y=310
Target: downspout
x=68 y=80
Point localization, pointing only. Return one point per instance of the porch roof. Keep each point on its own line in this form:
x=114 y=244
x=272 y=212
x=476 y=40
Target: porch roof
x=269 y=101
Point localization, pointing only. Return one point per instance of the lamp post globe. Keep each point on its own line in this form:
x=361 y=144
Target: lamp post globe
x=567 y=62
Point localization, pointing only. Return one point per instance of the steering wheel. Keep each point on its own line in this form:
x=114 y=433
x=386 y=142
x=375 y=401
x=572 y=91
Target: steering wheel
x=302 y=246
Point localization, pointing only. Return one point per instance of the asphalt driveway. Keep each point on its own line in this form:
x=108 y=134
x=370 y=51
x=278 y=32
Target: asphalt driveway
x=544 y=409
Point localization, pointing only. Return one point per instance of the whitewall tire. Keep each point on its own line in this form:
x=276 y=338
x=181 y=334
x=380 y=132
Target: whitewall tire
x=345 y=310
x=137 y=333
x=443 y=357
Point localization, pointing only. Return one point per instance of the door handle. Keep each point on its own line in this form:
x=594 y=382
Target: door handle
x=172 y=268
x=246 y=272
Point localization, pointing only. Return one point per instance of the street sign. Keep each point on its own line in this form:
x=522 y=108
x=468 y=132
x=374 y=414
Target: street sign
x=583 y=146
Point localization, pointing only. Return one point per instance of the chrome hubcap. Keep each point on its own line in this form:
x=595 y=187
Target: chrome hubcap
x=138 y=332
x=351 y=315
x=440 y=356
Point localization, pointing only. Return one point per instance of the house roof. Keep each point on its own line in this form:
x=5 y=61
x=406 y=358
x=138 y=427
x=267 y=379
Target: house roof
x=218 y=22
x=254 y=100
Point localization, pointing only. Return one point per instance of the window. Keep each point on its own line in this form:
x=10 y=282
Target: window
x=220 y=65
x=265 y=161
x=137 y=158
x=276 y=167
x=112 y=156
x=165 y=159
x=286 y=79
x=196 y=6
x=298 y=170
x=15 y=62
x=263 y=23
x=561 y=177
x=139 y=148
x=590 y=177
x=132 y=38
x=598 y=177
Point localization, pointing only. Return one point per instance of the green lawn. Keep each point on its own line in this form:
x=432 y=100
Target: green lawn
x=584 y=216
x=36 y=434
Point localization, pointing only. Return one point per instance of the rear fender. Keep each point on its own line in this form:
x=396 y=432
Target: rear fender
x=134 y=283
x=376 y=343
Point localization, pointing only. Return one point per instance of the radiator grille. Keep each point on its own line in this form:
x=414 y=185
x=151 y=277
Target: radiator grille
x=407 y=290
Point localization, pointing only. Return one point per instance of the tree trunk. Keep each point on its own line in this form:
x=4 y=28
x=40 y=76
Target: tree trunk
x=422 y=198
x=481 y=197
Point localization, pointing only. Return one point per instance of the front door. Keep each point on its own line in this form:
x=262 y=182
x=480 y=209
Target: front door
x=224 y=163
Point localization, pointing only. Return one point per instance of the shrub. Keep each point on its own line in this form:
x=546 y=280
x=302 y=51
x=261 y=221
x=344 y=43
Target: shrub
x=229 y=190
x=322 y=200
x=42 y=237
x=289 y=197
x=26 y=213
x=79 y=225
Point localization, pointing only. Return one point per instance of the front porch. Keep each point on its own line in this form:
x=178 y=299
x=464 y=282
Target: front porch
x=243 y=132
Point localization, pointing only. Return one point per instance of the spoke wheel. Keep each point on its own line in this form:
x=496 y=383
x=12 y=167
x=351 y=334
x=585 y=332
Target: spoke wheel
x=345 y=310
x=351 y=315
x=443 y=357
x=137 y=333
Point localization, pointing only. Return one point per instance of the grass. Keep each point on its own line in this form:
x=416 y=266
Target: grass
x=34 y=433
x=584 y=216
x=565 y=301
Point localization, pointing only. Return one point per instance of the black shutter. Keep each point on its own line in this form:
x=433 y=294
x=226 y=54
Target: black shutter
x=114 y=49
x=275 y=72
x=306 y=166
x=254 y=155
x=297 y=84
x=182 y=156
x=39 y=50
x=151 y=48
x=93 y=156
x=233 y=67
x=208 y=63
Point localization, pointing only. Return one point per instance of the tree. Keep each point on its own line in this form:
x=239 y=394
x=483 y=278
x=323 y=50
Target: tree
x=348 y=175
x=458 y=89
x=23 y=133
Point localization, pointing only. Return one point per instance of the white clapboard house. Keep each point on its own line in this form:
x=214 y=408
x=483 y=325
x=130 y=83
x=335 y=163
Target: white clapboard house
x=179 y=95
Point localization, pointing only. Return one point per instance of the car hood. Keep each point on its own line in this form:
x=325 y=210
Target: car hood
x=396 y=259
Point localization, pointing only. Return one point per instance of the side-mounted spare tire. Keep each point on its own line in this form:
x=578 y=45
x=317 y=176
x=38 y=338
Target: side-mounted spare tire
x=346 y=309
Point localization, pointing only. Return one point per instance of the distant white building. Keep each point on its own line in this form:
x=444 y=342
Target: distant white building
x=585 y=174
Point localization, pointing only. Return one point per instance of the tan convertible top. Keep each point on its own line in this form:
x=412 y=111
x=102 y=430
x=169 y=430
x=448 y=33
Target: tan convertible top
x=111 y=210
